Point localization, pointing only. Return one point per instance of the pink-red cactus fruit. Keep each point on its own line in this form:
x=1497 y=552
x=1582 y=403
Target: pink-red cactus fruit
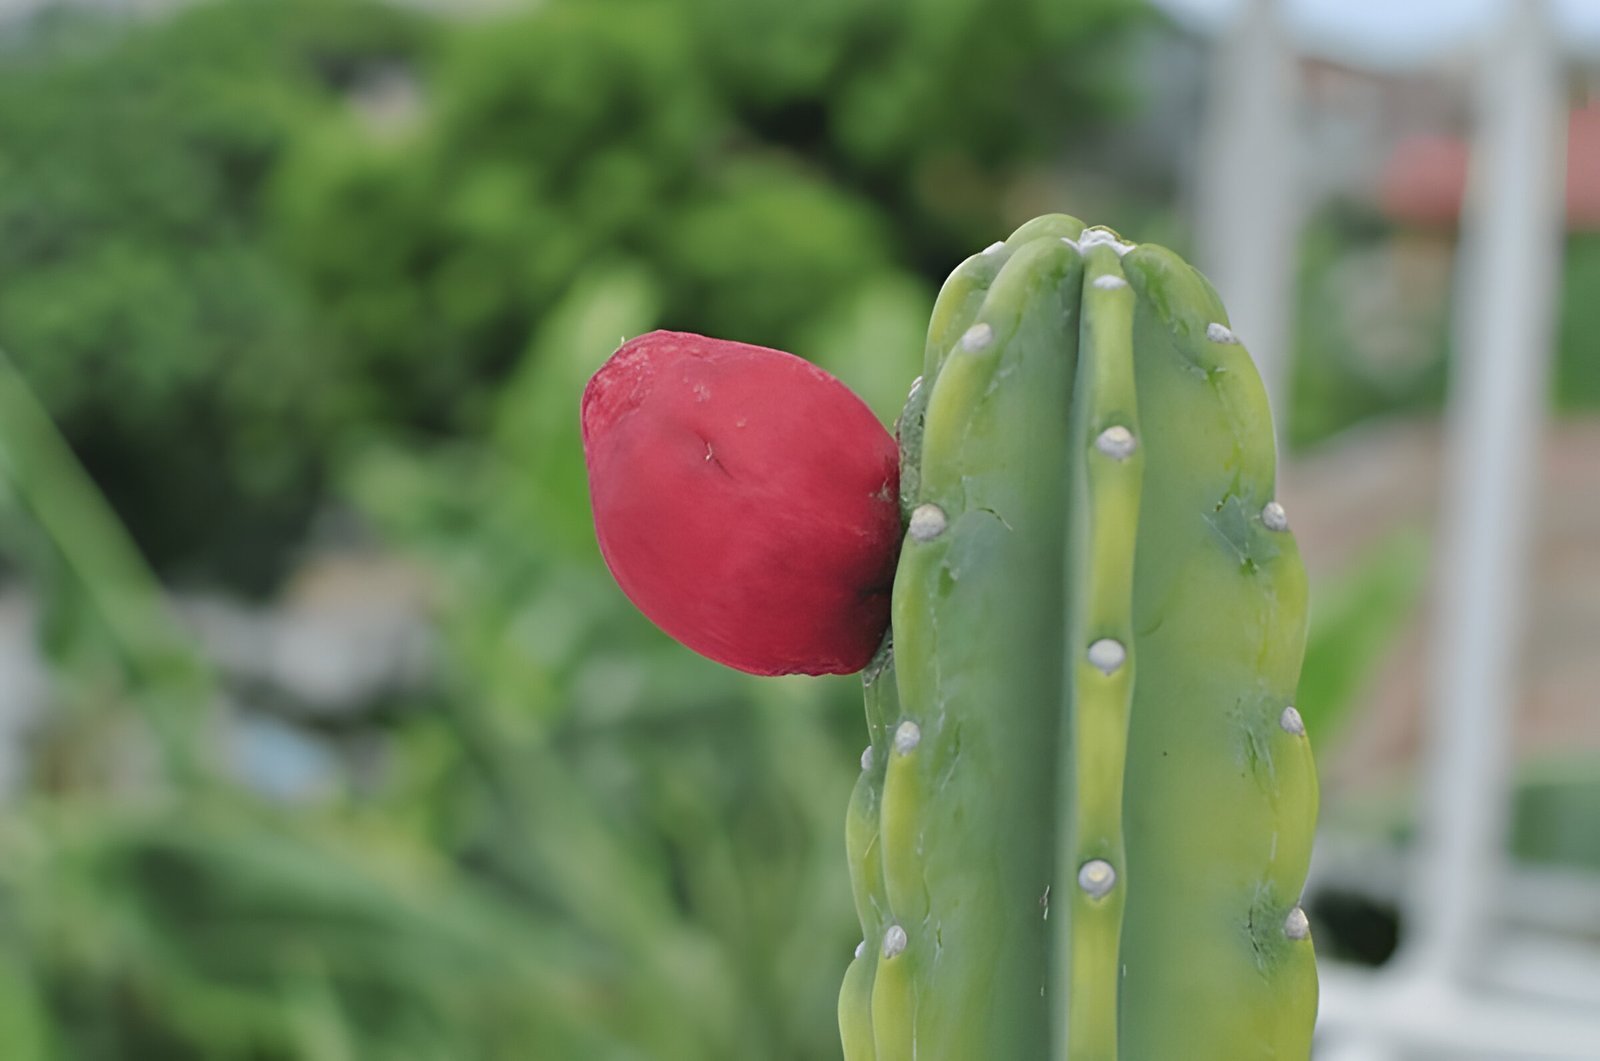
x=745 y=500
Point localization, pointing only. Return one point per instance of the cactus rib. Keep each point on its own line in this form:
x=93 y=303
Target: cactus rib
x=1100 y=662
x=1221 y=799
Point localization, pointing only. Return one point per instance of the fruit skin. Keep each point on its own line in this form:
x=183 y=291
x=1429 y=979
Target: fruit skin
x=745 y=500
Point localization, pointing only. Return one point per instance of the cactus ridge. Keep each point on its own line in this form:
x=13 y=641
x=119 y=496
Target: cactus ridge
x=1100 y=664
x=1085 y=815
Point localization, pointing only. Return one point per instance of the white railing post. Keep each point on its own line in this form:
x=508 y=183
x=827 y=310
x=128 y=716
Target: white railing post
x=1509 y=262
x=1247 y=220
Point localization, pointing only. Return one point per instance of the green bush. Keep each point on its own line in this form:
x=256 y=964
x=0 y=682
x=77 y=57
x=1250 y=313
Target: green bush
x=135 y=293
x=233 y=239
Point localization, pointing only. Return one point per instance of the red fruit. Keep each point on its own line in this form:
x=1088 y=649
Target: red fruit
x=745 y=500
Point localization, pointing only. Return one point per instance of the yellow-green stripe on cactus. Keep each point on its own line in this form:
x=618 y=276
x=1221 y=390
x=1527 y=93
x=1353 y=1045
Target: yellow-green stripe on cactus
x=1085 y=813
x=1093 y=847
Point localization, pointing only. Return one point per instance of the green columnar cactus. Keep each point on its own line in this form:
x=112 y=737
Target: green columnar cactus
x=1085 y=816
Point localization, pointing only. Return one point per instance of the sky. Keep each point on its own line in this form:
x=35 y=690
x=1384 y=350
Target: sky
x=1400 y=32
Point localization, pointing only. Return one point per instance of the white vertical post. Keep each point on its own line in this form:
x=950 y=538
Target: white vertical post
x=1247 y=212
x=1510 y=256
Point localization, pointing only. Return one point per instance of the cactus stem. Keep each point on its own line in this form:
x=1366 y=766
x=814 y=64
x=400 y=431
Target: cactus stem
x=1221 y=333
x=1291 y=722
x=1116 y=442
x=1097 y=878
x=1078 y=413
x=977 y=338
x=927 y=522
x=866 y=760
x=1107 y=655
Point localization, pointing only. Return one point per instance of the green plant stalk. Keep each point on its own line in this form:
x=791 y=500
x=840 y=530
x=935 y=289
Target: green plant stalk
x=43 y=478
x=1085 y=817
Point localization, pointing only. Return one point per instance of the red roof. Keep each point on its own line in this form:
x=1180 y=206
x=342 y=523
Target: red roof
x=1425 y=178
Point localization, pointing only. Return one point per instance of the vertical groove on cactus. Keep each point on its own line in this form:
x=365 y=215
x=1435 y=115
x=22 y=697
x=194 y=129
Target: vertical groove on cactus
x=1097 y=622
x=1107 y=469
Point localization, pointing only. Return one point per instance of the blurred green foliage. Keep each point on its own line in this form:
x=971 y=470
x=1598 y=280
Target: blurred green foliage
x=135 y=291
x=1350 y=304
x=1356 y=618
x=1374 y=317
x=232 y=239
x=1556 y=803
x=1577 y=375
x=262 y=256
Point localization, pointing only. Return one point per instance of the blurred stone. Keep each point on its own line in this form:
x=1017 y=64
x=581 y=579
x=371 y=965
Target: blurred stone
x=350 y=629
x=281 y=761
x=350 y=634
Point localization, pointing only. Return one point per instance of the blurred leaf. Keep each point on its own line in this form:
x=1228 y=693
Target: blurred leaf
x=24 y=1016
x=105 y=572
x=1577 y=375
x=1355 y=619
x=216 y=929
x=536 y=423
x=874 y=342
x=1554 y=810
x=767 y=249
